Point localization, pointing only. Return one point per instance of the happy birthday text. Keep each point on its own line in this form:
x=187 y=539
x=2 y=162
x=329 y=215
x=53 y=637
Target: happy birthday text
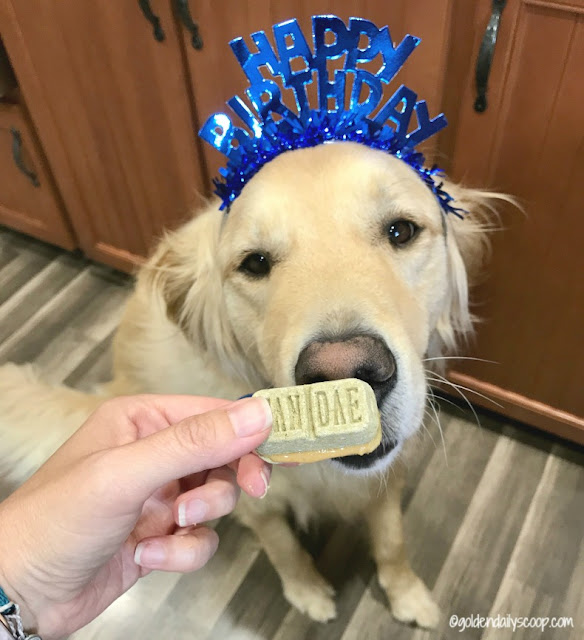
x=332 y=39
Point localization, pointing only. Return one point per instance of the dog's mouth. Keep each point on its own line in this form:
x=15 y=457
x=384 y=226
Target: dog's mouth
x=367 y=460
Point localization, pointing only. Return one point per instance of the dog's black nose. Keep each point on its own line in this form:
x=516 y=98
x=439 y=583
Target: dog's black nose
x=360 y=356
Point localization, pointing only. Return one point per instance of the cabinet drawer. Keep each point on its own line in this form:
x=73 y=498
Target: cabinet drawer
x=29 y=201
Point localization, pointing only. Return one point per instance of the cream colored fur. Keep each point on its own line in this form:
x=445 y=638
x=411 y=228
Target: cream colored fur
x=196 y=324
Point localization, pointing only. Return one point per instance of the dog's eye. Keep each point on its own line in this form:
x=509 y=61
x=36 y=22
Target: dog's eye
x=400 y=232
x=256 y=264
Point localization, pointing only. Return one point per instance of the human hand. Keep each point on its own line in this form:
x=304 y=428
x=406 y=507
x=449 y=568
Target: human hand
x=120 y=498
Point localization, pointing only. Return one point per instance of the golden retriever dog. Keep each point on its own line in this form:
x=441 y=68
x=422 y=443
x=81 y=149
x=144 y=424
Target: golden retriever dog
x=335 y=261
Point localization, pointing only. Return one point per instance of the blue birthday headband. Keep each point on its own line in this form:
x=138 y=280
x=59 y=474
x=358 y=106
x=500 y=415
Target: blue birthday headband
x=267 y=136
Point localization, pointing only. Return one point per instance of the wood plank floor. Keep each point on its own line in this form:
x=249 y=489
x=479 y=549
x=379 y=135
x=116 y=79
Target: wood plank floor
x=494 y=515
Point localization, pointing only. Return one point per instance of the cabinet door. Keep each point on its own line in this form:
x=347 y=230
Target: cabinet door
x=111 y=107
x=28 y=199
x=216 y=75
x=530 y=143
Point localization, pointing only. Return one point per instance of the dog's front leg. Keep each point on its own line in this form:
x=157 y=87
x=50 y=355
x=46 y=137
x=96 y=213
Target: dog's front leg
x=303 y=585
x=409 y=598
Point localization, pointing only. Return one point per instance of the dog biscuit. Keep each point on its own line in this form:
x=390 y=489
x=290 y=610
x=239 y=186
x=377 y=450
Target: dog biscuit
x=323 y=420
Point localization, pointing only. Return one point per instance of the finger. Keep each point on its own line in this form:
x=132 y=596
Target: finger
x=182 y=553
x=253 y=475
x=178 y=408
x=216 y=498
x=234 y=466
x=193 y=481
x=205 y=441
x=151 y=413
x=124 y=419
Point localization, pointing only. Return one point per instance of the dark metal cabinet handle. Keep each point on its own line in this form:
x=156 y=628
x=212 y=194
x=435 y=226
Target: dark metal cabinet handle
x=18 y=160
x=184 y=13
x=153 y=19
x=485 y=56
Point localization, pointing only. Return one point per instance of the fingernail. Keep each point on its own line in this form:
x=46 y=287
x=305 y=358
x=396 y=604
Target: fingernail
x=266 y=478
x=250 y=416
x=192 y=512
x=149 y=554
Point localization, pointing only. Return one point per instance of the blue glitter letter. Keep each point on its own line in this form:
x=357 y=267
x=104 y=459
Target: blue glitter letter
x=426 y=126
x=298 y=49
x=395 y=58
x=242 y=110
x=220 y=133
x=363 y=109
x=324 y=52
x=251 y=62
x=402 y=118
x=273 y=104
x=379 y=42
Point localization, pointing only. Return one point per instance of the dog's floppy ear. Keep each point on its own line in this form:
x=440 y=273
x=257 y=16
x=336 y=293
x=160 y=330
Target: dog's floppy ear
x=468 y=247
x=184 y=277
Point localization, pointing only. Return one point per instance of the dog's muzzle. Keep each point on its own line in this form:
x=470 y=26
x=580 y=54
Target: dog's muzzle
x=362 y=356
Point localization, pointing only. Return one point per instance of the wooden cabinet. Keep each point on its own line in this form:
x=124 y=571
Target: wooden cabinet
x=112 y=109
x=29 y=201
x=116 y=92
x=530 y=143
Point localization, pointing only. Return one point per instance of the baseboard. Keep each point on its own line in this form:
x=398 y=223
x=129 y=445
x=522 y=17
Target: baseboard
x=514 y=405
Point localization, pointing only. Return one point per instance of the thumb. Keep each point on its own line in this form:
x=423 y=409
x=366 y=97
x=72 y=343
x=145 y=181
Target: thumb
x=204 y=441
